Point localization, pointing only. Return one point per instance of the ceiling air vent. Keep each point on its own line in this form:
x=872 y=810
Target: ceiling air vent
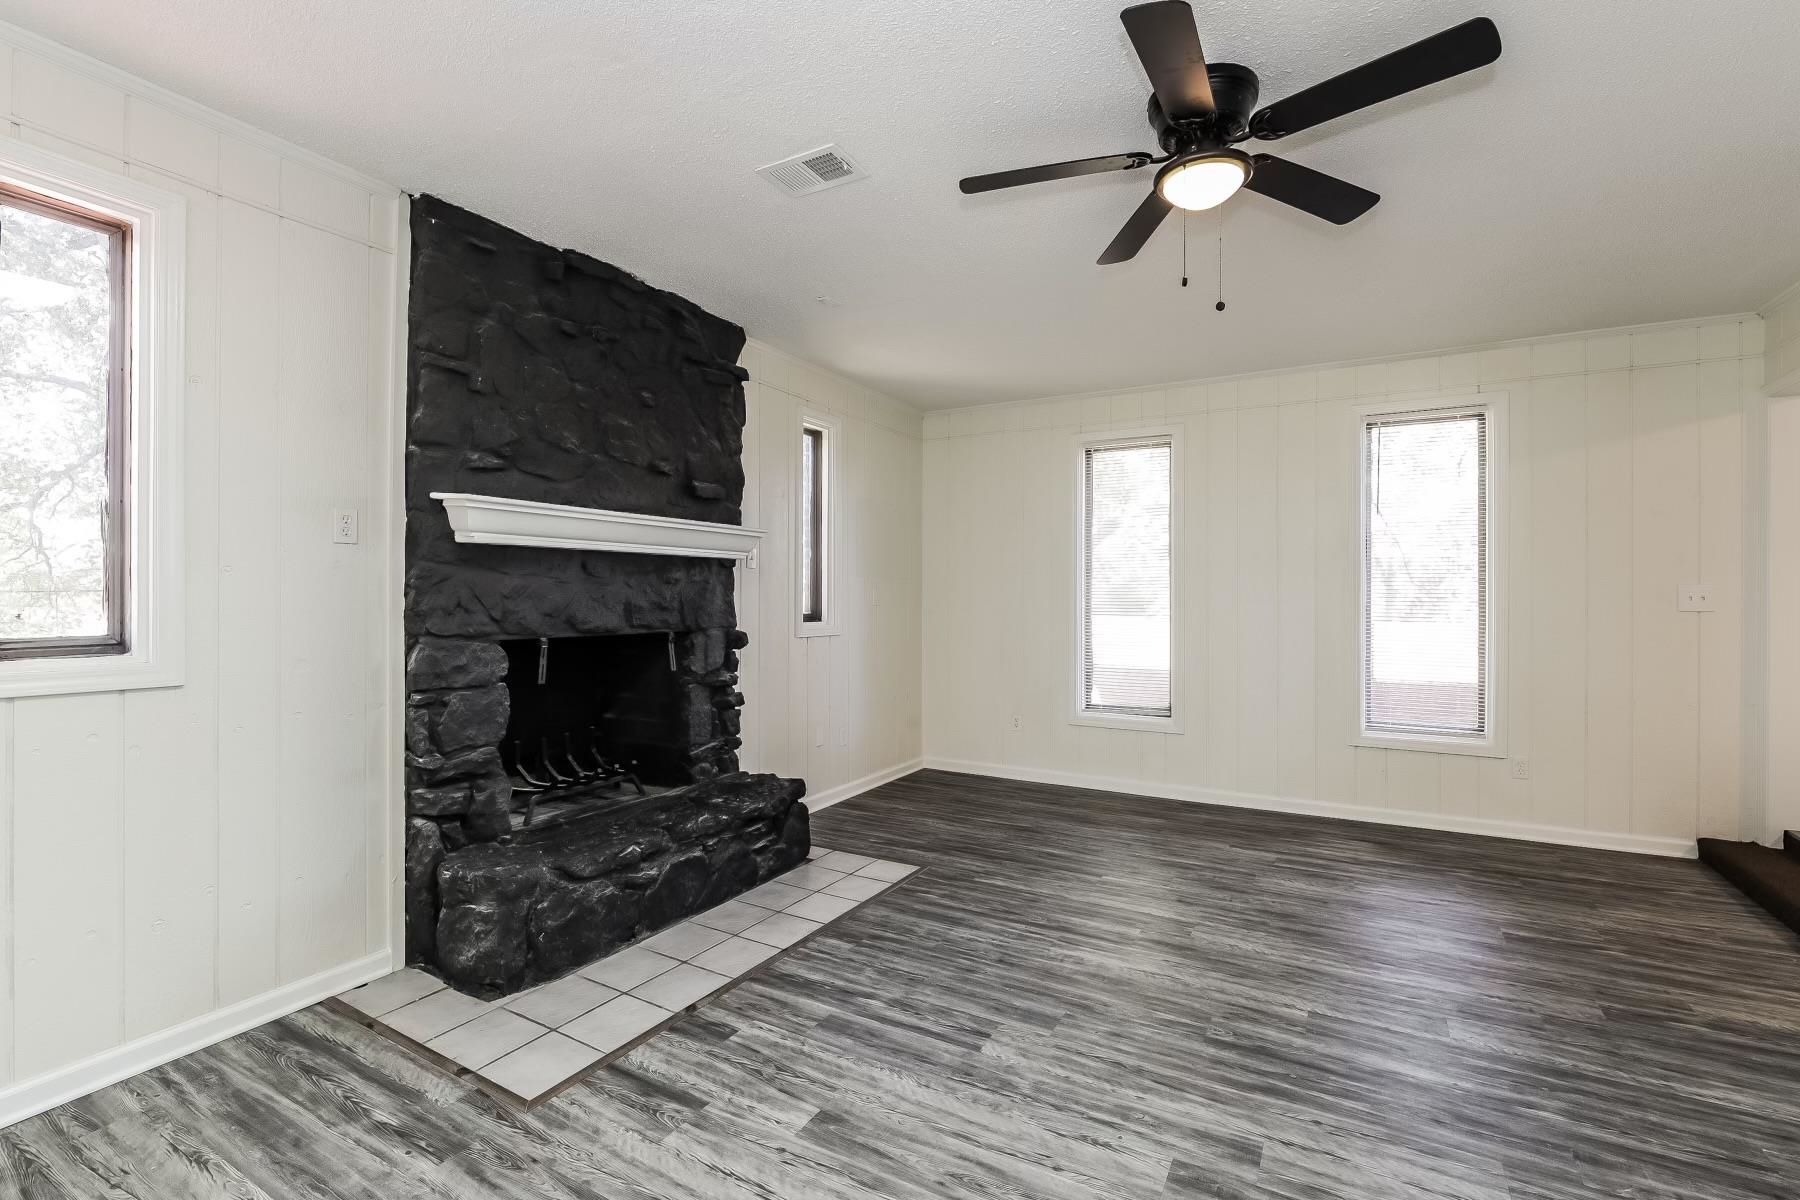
x=813 y=171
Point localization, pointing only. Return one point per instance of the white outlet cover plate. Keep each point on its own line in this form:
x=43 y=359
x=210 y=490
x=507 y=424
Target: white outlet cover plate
x=1695 y=597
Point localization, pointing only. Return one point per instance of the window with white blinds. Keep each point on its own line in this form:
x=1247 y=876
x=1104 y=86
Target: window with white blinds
x=1426 y=626
x=1125 y=618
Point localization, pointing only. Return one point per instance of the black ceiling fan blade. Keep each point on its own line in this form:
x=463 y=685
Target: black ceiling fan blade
x=1049 y=171
x=1137 y=230
x=1441 y=56
x=1308 y=190
x=1168 y=44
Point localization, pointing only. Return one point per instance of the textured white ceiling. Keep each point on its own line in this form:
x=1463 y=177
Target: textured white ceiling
x=1625 y=161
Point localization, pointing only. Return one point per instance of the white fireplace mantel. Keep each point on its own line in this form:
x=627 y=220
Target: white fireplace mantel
x=499 y=521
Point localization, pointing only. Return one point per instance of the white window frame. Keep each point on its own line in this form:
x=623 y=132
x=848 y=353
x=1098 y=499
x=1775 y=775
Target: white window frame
x=154 y=603
x=1079 y=713
x=1493 y=405
x=827 y=424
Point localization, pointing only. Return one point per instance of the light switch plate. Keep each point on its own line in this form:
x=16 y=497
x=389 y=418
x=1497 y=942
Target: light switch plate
x=1695 y=597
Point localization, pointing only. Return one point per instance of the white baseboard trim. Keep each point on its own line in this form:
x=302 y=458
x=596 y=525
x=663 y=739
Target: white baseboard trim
x=856 y=787
x=1558 y=835
x=46 y=1091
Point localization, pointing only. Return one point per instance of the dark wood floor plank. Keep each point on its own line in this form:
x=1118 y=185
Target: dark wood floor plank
x=48 y=1161
x=149 y=1160
x=1083 y=996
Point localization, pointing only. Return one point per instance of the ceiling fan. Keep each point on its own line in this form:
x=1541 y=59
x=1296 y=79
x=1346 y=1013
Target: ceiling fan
x=1200 y=112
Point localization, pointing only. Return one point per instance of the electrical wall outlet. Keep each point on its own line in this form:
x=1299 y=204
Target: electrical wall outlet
x=1694 y=597
x=344 y=527
x=1521 y=769
x=1018 y=723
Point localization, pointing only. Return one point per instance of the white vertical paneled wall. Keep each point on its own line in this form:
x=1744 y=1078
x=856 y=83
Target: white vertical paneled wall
x=1778 y=679
x=840 y=711
x=179 y=863
x=1781 y=356
x=1626 y=480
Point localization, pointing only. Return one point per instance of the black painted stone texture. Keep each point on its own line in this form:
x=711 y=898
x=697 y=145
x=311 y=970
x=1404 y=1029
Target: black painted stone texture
x=545 y=374
x=546 y=901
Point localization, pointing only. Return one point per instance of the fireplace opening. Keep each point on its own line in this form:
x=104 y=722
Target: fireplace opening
x=594 y=719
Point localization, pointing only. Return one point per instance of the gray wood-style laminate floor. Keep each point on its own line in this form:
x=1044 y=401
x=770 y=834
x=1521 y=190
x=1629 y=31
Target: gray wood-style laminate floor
x=1083 y=995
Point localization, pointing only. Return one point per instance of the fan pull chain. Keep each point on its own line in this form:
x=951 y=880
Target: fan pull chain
x=1220 y=306
x=1184 y=241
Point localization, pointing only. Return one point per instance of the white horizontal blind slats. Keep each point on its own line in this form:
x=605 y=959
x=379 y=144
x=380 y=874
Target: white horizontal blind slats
x=1425 y=619
x=1125 y=619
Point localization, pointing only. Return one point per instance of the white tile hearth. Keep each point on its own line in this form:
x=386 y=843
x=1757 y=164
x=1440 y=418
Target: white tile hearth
x=537 y=1067
x=820 y=908
x=556 y=1004
x=782 y=930
x=618 y=1021
x=685 y=985
x=774 y=896
x=494 y=1033
x=843 y=860
x=683 y=940
x=731 y=916
x=437 y=1013
x=855 y=887
x=392 y=991
x=529 y=1045
x=735 y=956
x=887 y=872
x=627 y=968
x=811 y=876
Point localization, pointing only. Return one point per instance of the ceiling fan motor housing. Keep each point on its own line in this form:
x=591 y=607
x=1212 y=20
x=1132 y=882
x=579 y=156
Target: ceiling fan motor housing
x=1235 y=89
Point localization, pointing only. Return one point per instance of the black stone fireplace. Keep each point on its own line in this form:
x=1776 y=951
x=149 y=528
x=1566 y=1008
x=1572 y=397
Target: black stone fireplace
x=573 y=715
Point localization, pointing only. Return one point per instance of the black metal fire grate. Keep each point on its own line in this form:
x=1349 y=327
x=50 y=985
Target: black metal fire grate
x=556 y=770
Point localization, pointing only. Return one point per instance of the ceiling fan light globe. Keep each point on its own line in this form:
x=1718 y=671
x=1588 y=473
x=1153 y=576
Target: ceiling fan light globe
x=1204 y=180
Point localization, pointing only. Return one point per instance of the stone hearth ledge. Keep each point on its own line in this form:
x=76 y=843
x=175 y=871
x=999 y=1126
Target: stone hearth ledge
x=549 y=899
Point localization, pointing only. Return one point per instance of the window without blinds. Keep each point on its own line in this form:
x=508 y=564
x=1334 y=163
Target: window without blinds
x=63 y=370
x=812 y=524
x=1125 y=631
x=1425 y=585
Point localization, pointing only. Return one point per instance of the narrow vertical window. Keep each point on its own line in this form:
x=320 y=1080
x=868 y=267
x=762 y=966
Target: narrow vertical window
x=814 y=544
x=1427 y=644
x=1126 y=580
x=64 y=368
